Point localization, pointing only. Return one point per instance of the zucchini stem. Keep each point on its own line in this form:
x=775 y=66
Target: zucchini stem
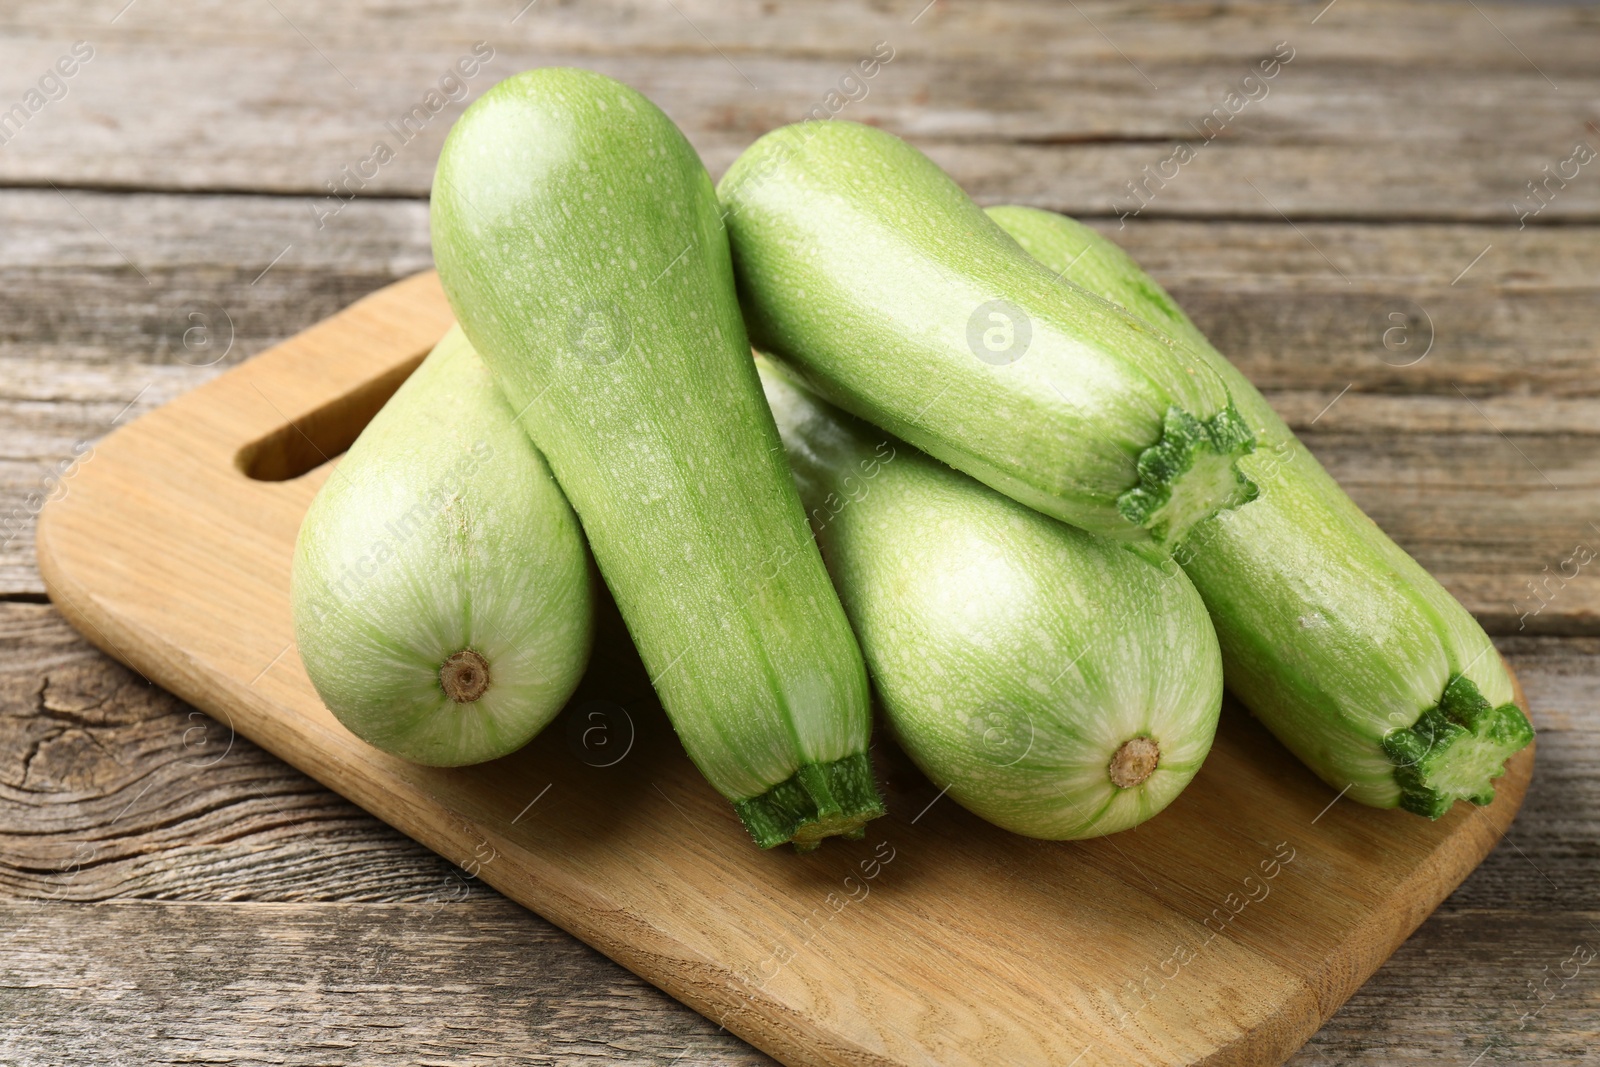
x=819 y=800
x=1134 y=761
x=465 y=676
x=1455 y=750
x=1190 y=473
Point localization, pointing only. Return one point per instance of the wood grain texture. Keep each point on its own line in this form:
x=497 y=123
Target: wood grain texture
x=326 y=985
x=166 y=555
x=116 y=790
x=1379 y=115
x=117 y=304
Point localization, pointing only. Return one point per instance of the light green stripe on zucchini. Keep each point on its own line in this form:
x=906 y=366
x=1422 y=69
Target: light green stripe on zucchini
x=580 y=242
x=1346 y=648
x=869 y=273
x=1058 y=684
x=441 y=588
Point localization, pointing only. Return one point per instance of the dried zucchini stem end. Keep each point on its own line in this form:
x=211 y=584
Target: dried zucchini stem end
x=1455 y=750
x=464 y=676
x=1134 y=761
x=819 y=800
x=1190 y=473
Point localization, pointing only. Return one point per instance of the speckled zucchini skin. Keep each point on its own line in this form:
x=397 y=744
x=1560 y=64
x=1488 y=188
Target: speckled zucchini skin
x=580 y=242
x=441 y=534
x=1018 y=660
x=868 y=272
x=1351 y=653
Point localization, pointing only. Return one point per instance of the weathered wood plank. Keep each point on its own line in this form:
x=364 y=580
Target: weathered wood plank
x=1416 y=32
x=481 y=981
x=1497 y=986
x=1172 y=31
x=116 y=305
x=113 y=789
x=488 y=982
x=1379 y=114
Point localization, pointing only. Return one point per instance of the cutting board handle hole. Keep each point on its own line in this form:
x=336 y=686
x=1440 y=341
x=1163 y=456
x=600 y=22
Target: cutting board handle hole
x=307 y=442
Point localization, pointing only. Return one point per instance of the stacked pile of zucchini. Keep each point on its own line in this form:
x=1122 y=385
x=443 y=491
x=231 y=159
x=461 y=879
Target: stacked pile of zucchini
x=1046 y=517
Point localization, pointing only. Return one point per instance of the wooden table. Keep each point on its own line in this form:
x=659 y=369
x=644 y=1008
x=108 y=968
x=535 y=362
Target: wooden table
x=1348 y=230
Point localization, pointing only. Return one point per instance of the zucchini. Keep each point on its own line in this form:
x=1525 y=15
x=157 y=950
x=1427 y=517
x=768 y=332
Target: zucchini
x=864 y=268
x=580 y=242
x=1342 y=644
x=442 y=595
x=1053 y=681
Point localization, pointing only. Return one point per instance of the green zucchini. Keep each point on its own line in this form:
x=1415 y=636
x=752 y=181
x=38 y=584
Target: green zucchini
x=1055 y=682
x=580 y=242
x=442 y=595
x=1346 y=648
x=868 y=272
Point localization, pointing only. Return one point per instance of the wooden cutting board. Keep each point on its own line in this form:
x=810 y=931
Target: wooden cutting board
x=1226 y=930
